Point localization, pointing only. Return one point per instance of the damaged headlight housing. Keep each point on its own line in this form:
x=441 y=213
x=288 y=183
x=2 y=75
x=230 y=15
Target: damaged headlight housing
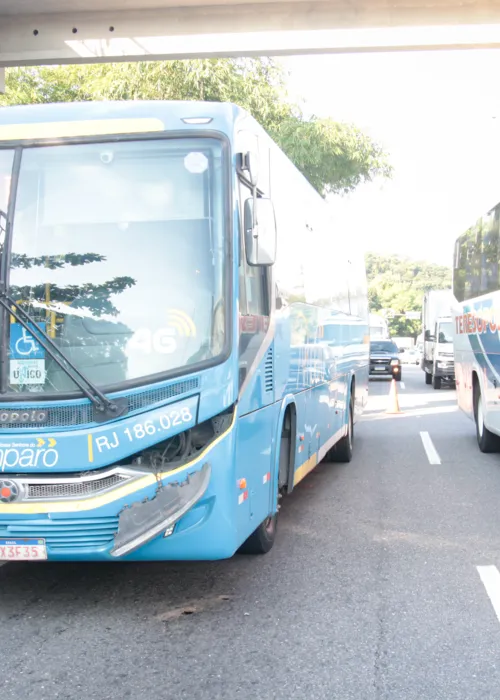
x=142 y=521
x=181 y=448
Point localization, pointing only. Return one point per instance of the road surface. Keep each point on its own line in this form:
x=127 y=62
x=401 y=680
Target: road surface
x=382 y=584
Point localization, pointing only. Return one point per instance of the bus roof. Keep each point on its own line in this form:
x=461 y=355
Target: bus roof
x=73 y=118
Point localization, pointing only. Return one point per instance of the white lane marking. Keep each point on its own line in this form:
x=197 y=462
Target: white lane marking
x=432 y=454
x=491 y=581
x=402 y=385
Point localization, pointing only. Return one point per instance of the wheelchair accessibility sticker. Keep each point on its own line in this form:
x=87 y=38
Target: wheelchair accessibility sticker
x=27 y=357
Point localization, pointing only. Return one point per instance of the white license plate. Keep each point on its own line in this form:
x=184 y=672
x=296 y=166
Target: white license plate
x=23 y=550
x=379 y=369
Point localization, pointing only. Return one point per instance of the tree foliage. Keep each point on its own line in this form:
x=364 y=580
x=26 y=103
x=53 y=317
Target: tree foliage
x=335 y=157
x=398 y=284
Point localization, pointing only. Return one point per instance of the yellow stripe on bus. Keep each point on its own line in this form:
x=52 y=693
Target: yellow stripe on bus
x=90 y=447
x=305 y=468
x=88 y=127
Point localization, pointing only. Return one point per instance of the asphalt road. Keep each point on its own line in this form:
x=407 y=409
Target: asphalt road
x=372 y=590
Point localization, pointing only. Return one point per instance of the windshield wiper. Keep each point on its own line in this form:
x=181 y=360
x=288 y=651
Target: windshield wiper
x=106 y=408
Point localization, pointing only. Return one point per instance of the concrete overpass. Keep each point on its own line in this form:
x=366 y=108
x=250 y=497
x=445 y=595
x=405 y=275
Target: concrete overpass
x=34 y=32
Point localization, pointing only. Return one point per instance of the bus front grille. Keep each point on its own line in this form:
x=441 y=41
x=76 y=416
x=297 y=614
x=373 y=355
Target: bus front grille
x=78 y=414
x=68 y=533
x=75 y=489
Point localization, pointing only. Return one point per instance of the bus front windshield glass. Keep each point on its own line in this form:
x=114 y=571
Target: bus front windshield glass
x=118 y=253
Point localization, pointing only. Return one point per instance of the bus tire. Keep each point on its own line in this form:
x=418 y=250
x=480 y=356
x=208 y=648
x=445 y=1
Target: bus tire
x=436 y=382
x=342 y=451
x=428 y=378
x=486 y=440
x=262 y=539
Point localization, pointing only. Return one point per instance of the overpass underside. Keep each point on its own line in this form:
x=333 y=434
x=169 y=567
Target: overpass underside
x=34 y=32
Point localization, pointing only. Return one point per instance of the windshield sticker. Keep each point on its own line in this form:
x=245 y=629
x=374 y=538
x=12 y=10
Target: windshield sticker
x=196 y=163
x=23 y=345
x=25 y=372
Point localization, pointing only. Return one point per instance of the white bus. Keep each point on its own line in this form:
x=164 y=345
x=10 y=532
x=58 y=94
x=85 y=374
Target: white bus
x=476 y=327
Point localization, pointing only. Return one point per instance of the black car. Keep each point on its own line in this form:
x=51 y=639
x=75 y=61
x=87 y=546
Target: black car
x=384 y=359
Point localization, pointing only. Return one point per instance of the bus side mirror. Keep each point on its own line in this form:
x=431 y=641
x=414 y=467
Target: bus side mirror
x=260 y=232
x=428 y=335
x=3 y=226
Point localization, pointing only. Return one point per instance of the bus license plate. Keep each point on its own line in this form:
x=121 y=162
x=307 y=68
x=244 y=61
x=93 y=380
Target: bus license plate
x=23 y=550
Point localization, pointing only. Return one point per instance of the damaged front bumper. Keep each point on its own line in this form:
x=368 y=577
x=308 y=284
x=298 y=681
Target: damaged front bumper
x=143 y=521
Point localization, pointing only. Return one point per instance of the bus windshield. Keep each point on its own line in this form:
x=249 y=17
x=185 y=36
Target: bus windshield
x=118 y=253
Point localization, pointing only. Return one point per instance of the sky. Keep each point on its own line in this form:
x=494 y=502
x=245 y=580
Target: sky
x=437 y=114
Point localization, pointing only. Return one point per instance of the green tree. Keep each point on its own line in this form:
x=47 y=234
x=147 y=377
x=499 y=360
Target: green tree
x=334 y=157
x=398 y=284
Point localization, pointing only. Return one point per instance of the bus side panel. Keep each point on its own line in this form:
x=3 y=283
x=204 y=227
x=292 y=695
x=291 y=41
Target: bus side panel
x=318 y=275
x=464 y=365
x=477 y=349
x=315 y=276
x=255 y=459
x=257 y=445
x=305 y=446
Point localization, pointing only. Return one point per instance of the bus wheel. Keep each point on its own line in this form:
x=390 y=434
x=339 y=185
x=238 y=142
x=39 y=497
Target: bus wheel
x=487 y=441
x=342 y=451
x=262 y=539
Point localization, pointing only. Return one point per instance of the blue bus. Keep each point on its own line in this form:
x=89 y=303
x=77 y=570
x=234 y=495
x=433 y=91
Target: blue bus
x=183 y=332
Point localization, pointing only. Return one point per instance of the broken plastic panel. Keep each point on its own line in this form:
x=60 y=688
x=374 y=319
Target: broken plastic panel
x=142 y=521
